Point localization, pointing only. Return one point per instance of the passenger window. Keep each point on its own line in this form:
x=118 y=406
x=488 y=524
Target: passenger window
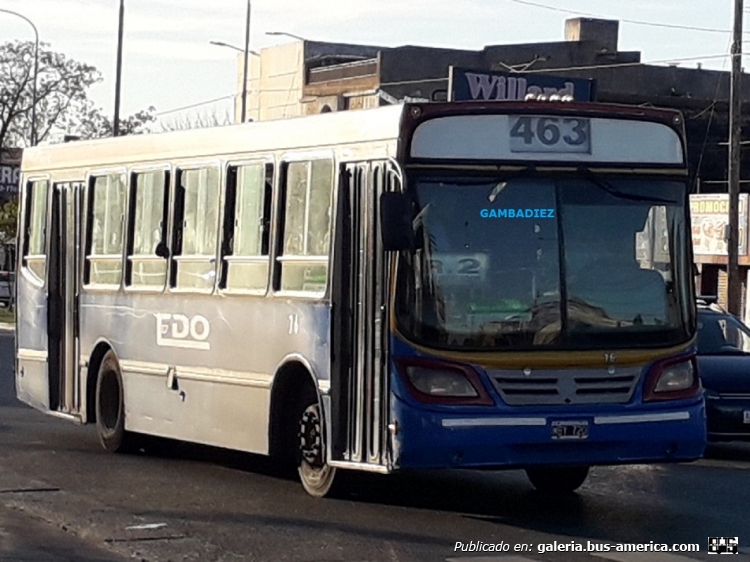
x=35 y=236
x=307 y=226
x=149 y=201
x=106 y=229
x=247 y=224
x=196 y=225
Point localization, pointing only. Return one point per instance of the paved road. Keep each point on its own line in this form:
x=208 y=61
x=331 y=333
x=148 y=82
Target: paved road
x=63 y=499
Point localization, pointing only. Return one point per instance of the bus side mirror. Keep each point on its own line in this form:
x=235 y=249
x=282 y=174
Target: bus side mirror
x=395 y=222
x=162 y=250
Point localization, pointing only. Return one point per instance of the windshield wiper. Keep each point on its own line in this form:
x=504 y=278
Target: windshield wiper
x=612 y=190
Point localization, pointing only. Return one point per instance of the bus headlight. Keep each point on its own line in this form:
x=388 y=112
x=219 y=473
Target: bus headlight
x=441 y=382
x=676 y=377
x=672 y=379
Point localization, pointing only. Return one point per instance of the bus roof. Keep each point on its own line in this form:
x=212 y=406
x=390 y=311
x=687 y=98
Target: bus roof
x=304 y=133
x=297 y=133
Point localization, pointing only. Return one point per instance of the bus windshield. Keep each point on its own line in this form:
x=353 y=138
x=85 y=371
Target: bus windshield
x=541 y=262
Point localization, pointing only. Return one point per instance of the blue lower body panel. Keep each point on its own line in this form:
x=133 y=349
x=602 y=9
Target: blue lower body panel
x=429 y=438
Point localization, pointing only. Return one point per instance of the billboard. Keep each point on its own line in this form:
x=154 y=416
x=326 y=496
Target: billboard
x=709 y=214
x=9 y=178
x=10 y=172
x=486 y=85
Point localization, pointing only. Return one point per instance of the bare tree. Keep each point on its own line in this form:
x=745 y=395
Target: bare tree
x=62 y=102
x=61 y=88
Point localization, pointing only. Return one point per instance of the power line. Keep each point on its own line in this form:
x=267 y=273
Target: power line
x=712 y=107
x=426 y=80
x=625 y=64
x=636 y=22
x=198 y=104
x=563 y=69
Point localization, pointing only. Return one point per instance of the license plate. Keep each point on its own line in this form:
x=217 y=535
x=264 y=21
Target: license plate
x=570 y=430
x=746 y=416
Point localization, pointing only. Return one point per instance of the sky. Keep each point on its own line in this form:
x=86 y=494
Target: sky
x=169 y=63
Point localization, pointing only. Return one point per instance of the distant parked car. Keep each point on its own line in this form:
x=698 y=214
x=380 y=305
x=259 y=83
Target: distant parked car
x=724 y=369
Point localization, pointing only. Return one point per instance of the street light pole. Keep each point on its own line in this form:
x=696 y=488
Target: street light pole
x=245 y=53
x=118 y=76
x=243 y=111
x=222 y=44
x=36 y=72
x=284 y=33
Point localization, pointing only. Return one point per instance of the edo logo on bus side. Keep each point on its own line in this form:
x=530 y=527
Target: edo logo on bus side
x=178 y=330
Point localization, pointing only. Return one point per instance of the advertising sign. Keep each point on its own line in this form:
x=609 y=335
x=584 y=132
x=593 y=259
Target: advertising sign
x=709 y=214
x=10 y=172
x=9 y=177
x=485 y=85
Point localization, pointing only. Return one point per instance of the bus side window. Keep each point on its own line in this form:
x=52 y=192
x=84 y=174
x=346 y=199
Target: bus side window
x=195 y=229
x=34 y=241
x=149 y=203
x=106 y=230
x=308 y=194
x=247 y=222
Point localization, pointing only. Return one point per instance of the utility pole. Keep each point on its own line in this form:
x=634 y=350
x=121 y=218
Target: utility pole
x=118 y=77
x=734 y=283
x=243 y=104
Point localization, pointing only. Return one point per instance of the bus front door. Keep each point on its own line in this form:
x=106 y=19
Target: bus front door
x=63 y=274
x=359 y=385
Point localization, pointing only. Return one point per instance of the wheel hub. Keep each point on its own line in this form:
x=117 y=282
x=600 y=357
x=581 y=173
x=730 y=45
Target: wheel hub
x=311 y=438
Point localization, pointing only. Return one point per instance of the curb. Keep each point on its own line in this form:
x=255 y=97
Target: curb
x=7 y=327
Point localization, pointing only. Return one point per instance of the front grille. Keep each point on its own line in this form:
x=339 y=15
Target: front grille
x=571 y=386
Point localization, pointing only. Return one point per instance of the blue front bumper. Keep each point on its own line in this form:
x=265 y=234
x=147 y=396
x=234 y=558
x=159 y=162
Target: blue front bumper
x=432 y=438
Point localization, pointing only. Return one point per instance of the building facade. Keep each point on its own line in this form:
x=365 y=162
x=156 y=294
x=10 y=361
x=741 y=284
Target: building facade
x=307 y=77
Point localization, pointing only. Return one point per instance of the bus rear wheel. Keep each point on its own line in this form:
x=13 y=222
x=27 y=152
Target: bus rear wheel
x=558 y=480
x=110 y=406
x=316 y=475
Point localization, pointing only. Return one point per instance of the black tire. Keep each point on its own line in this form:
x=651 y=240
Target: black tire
x=110 y=406
x=558 y=480
x=316 y=475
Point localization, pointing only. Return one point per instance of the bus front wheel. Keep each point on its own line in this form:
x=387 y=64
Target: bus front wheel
x=557 y=480
x=110 y=405
x=315 y=473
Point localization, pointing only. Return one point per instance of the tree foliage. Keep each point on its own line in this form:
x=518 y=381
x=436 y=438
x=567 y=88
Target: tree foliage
x=63 y=106
x=92 y=124
x=8 y=220
x=62 y=102
x=195 y=121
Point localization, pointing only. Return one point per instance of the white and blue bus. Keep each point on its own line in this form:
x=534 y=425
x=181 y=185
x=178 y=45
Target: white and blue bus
x=489 y=285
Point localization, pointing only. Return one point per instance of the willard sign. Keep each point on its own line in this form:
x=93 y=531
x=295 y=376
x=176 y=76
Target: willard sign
x=481 y=85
